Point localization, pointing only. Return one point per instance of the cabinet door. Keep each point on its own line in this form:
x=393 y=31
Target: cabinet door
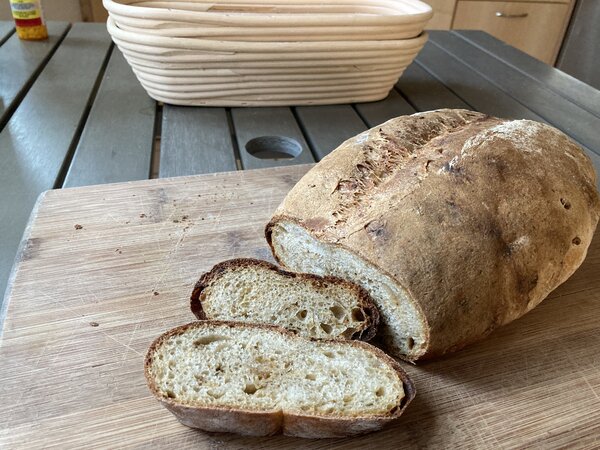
x=442 y=14
x=535 y=28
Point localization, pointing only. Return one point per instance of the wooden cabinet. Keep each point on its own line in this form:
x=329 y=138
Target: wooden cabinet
x=93 y=11
x=443 y=13
x=535 y=28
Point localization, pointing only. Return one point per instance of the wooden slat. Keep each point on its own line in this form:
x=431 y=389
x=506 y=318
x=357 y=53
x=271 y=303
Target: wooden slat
x=471 y=87
x=570 y=118
x=37 y=139
x=375 y=113
x=20 y=62
x=426 y=92
x=6 y=29
x=195 y=140
x=116 y=143
x=559 y=82
x=250 y=123
x=326 y=127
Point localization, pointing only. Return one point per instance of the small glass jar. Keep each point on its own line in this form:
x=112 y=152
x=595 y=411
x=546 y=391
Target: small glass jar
x=29 y=19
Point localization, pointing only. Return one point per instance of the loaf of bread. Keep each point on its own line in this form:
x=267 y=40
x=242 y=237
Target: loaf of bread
x=261 y=380
x=455 y=222
x=256 y=291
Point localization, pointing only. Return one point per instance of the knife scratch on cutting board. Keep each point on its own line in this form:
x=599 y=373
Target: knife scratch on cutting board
x=59 y=352
x=64 y=307
x=170 y=254
x=218 y=218
x=128 y=345
x=121 y=343
x=576 y=365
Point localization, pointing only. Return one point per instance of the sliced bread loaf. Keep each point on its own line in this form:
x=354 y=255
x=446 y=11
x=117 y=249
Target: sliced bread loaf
x=250 y=290
x=454 y=221
x=260 y=380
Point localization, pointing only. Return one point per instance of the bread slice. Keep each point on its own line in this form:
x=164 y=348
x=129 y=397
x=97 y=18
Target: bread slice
x=259 y=380
x=250 y=290
x=455 y=222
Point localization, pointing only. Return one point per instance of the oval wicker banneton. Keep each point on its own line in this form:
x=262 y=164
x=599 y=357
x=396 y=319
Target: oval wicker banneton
x=251 y=53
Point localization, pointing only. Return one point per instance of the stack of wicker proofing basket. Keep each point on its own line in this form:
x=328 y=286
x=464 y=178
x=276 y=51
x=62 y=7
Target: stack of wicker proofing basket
x=269 y=52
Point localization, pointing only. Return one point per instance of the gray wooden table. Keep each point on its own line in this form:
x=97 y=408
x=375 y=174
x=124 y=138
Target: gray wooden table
x=73 y=114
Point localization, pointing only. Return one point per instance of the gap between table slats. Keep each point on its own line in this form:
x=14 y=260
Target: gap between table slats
x=22 y=62
x=7 y=28
x=117 y=139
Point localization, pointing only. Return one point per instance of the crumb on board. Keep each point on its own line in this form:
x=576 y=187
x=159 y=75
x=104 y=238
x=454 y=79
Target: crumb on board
x=94 y=324
x=142 y=216
x=78 y=227
x=155 y=293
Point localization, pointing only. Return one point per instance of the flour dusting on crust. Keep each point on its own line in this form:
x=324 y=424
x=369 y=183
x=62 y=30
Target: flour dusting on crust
x=526 y=136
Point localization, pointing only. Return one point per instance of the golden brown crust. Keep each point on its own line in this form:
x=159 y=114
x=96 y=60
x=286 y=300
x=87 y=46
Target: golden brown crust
x=477 y=218
x=365 y=302
x=264 y=423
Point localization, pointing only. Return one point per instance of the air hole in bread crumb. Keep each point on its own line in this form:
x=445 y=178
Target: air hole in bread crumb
x=310 y=376
x=358 y=315
x=326 y=328
x=250 y=389
x=380 y=391
x=349 y=332
x=566 y=204
x=337 y=311
x=214 y=394
x=410 y=343
x=170 y=393
x=205 y=340
x=302 y=314
x=329 y=354
x=576 y=240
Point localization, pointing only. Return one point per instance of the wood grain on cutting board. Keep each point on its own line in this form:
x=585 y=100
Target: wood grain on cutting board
x=105 y=269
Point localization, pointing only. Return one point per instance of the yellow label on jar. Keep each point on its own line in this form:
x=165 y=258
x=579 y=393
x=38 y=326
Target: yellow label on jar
x=25 y=9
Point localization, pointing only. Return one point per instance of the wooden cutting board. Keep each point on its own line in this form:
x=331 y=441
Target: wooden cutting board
x=103 y=270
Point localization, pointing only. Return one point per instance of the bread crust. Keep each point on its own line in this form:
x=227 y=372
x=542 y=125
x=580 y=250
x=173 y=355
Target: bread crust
x=265 y=423
x=477 y=218
x=366 y=304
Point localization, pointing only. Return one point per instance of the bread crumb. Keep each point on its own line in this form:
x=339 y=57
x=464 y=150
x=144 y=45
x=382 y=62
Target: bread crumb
x=155 y=293
x=94 y=324
x=78 y=227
